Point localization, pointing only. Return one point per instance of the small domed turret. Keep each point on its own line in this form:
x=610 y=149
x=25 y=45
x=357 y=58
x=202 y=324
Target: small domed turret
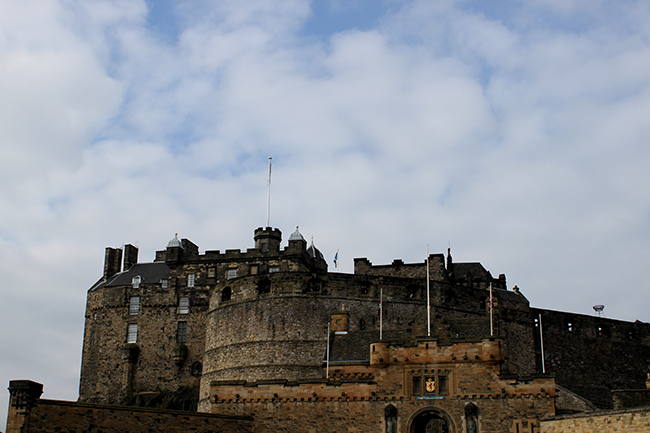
x=175 y=243
x=296 y=236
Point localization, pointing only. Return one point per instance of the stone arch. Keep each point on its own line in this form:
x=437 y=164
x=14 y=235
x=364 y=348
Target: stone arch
x=471 y=418
x=390 y=418
x=431 y=420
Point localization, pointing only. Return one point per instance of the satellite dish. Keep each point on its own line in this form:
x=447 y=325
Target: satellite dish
x=599 y=310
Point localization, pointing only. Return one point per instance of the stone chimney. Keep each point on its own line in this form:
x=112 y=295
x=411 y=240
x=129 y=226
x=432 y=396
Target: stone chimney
x=112 y=262
x=130 y=256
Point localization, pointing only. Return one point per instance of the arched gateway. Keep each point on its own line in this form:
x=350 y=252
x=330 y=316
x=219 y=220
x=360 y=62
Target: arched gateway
x=431 y=420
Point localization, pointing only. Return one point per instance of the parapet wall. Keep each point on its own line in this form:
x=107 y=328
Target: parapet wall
x=33 y=415
x=624 y=421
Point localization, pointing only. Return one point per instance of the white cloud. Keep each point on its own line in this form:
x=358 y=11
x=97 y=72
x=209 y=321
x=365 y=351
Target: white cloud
x=518 y=139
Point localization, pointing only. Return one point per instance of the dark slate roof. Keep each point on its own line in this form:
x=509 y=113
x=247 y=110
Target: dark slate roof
x=473 y=270
x=151 y=273
x=314 y=252
x=355 y=346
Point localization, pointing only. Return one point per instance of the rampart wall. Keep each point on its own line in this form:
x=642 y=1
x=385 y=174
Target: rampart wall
x=623 y=421
x=592 y=355
x=29 y=414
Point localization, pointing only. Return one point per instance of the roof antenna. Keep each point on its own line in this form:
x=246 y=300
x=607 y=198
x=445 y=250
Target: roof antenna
x=599 y=310
x=268 y=198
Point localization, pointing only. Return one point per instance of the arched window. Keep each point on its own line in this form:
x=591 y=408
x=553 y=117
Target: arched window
x=471 y=418
x=390 y=414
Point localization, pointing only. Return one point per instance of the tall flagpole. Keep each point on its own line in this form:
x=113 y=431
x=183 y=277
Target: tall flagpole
x=491 y=310
x=428 y=302
x=541 y=343
x=381 y=314
x=268 y=198
x=327 y=368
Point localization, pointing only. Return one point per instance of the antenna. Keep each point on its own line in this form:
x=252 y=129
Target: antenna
x=268 y=198
x=599 y=310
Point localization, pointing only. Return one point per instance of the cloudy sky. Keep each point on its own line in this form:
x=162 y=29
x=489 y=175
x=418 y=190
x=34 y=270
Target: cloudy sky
x=515 y=132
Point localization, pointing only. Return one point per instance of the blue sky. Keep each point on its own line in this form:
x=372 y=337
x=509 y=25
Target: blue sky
x=516 y=133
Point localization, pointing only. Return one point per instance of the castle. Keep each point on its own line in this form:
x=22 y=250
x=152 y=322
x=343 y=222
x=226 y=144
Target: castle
x=270 y=337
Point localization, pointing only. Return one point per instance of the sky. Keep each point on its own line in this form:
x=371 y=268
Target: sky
x=514 y=132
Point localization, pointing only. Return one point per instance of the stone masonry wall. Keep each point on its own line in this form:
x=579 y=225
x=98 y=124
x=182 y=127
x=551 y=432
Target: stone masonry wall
x=630 y=421
x=50 y=416
x=153 y=367
x=591 y=355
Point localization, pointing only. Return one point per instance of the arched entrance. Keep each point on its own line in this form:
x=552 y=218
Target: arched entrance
x=431 y=420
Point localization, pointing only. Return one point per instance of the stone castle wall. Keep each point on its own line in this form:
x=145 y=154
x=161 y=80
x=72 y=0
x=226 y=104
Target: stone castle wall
x=29 y=414
x=591 y=355
x=112 y=373
x=624 y=421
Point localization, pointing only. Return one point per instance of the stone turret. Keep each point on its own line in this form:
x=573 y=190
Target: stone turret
x=268 y=239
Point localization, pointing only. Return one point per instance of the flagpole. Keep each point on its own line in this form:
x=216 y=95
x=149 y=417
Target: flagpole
x=541 y=343
x=428 y=301
x=381 y=314
x=268 y=198
x=491 y=310
x=327 y=368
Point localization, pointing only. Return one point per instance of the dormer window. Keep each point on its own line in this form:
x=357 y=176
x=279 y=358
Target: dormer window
x=136 y=281
x=190 y=280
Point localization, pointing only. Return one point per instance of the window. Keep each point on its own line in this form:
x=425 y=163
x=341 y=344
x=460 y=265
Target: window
x=190 y=280
x=181 y=333
x=132 y=333
x=134 y=306
x=226 y=294
x=232 y=273
x=164 y=283
x=273 y=269
x=184 y=305
x=443 y=385
x=136 y=281
x=417 y=385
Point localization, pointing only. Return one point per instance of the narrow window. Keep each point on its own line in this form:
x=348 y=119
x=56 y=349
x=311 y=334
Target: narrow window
x=443 y=385
x=132 y=334
x=164 y=283
x=93 y=338
x=181 y=333
x=569 y=326
x=417 y=385
x=134 y=306
x=190 y=280
x=226 y=294
x=136 y=281
x=184 y=305
x=232 y=273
